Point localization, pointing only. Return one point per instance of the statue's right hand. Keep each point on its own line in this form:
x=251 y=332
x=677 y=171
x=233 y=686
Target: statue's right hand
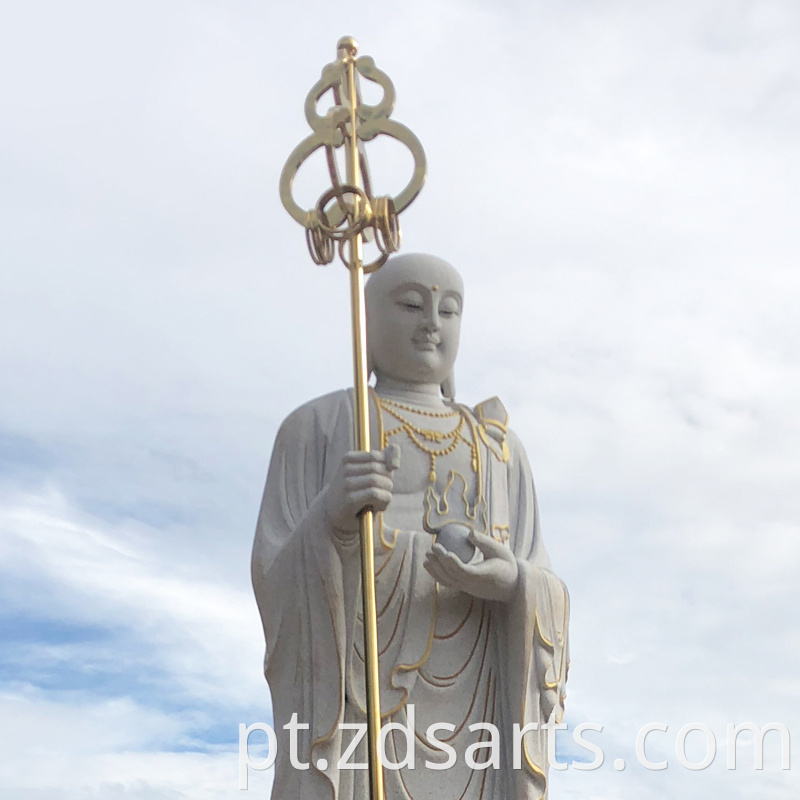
x=363 y=480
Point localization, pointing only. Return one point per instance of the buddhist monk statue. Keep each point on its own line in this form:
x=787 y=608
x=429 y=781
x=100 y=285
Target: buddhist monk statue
x=472 y=622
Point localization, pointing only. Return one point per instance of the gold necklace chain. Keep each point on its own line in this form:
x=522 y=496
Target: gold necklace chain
x=413 y=432
x=427 y=433
x=383 y=402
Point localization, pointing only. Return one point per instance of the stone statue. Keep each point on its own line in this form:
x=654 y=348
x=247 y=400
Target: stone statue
x=472 y=622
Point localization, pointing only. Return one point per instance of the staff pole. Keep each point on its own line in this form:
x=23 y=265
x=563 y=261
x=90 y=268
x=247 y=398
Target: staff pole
x=347 y=213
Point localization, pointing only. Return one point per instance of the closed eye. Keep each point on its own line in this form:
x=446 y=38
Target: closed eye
x=449 y=310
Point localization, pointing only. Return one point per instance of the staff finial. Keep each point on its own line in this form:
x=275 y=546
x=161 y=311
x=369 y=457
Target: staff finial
x=347 y=209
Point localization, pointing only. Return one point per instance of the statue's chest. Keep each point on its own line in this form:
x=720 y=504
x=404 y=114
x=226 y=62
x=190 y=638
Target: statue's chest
x=414 y=474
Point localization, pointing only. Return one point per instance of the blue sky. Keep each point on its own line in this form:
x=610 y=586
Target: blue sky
x=618 y=184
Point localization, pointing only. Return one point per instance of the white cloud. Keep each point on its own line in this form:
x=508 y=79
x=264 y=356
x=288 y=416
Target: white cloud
x=202 y=632
x=192 y=643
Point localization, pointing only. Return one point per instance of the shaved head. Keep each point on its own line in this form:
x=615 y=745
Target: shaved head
x=414 y=305
x=413 y=266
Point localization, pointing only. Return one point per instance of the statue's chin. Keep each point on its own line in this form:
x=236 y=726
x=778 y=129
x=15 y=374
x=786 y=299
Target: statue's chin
x=415 y=367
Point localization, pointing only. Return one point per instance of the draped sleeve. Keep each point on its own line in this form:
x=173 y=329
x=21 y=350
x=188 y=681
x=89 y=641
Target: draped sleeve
x=535 y=633
x=304 y=586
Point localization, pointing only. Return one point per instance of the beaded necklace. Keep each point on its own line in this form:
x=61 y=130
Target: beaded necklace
x=419 y=436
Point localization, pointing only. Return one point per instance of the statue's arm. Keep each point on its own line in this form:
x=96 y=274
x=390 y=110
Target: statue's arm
x=294 y=483
x=291 y=522
x=315 y=488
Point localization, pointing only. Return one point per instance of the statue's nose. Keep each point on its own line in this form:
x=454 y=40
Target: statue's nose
x=433 y=322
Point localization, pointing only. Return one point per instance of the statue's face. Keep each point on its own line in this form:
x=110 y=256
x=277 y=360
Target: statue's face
x=414 y=307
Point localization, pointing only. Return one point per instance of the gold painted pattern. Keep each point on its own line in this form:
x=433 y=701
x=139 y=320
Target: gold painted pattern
x=416 y=434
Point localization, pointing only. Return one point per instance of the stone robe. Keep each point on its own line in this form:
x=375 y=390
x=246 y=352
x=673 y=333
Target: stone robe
x=456 y=659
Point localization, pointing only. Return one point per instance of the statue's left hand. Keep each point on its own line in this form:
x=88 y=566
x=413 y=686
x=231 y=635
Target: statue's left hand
x=494 y=578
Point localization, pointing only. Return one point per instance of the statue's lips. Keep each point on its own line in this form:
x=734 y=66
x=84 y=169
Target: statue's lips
x=426 y=344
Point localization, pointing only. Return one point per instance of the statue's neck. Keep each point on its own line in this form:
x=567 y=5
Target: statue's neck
x=428 y=395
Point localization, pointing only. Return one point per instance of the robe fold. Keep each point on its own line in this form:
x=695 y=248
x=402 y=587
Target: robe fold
x=453 y=658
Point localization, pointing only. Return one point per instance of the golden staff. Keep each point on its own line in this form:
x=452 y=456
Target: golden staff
x=345 y=215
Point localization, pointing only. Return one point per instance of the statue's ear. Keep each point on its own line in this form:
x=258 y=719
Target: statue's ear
x=449 y=386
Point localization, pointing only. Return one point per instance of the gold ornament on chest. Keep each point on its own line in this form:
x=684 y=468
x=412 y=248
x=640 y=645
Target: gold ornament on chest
x=450 y=511
x=434 y=443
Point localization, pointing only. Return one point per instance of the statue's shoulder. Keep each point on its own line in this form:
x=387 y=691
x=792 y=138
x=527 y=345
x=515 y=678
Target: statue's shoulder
x=321 y=404
x=492 y=419
x=321 y=413
x=492 y=413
